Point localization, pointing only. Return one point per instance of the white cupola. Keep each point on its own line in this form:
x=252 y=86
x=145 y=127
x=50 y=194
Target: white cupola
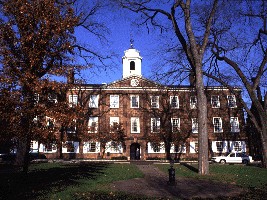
x=131 y=62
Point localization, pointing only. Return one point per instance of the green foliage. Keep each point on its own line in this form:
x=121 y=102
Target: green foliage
x=63 y=181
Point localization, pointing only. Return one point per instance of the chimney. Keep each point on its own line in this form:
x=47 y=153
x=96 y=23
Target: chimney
x=70 y=76
x=192 y=79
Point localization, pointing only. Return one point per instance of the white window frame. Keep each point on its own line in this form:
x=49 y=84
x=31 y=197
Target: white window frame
x=193 y=102
x=218 y=128
x=135 y=125
x=34 y=146
x=194 y=147
x=91 y=122
x=215 y=101
x=231 y=101
x=52 y=97
x=154 y=101
x=93 y=101
x=69 y=131
x=175 y=124
x=88 y=147
x=75 y=145
x=113 y=121
x=151 y=148
x=234 y=123
x=43 y=148
x=113 y=147
x=223 y=146
x=114 y=101
x=174 y=101
x=73 y=100
x=194 y=125
x=155 y=121
x=50 y=120
x=136 y=97
x=181 y=148
x=237 y=146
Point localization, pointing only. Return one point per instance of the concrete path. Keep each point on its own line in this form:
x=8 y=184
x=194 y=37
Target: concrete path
x=154 y=184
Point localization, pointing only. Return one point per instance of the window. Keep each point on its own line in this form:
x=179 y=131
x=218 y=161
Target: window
x=91 y=147
x=231 y=101
x=174 y=101
x=154 y=102
x=215 y=102
x=36 y=98
x=73 y=100
x=178 y=148
x=114 y=101
x=234 y=125
x=93 y=124
x=34 y=146
x=237 y=146
x=71 y=129
x=114 y=147
x=217 y=123
x=93 y=101
x=50 y=122
x=52 y=97
x=194 y=125
x=219 y=146
x=134 y=101
x=155 y=125
x=48 y=148
x=70 y=147
x=193 y=102
x=193 y=147
x=175 y=124
x=155 y=147
x=135 y=125
x=114 y=121
x=132 y=65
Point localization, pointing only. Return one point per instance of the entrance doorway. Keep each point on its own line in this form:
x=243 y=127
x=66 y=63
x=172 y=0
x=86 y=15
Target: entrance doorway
x=135 y=151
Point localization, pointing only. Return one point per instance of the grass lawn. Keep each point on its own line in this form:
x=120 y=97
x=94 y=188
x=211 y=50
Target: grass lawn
x=64 y=181
x=241 y=175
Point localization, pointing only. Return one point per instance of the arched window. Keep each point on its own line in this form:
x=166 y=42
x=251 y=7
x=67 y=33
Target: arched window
x=132 y=65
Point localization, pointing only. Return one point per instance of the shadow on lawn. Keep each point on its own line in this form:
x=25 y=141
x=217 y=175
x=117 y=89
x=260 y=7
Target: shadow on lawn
x=190 y=167
x=38 y=182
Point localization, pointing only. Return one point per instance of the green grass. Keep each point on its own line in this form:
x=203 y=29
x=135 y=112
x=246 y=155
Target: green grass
x=64 y=181
x=241 y=175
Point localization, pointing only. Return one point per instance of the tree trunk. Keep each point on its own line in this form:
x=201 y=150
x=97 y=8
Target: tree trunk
x=264 y=142
x=203 y=153
x=167 y=150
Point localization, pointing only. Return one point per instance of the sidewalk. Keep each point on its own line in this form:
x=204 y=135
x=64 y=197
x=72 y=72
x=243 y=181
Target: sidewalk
x=154 y=184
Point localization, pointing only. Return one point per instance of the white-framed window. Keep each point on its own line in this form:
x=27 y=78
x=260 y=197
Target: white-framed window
x=135 y=125
x=215 y=101
x=231 y=101
x=155 y=125
x=34 y=146
x=175 y=124
x=114 y=101
x=52 y=97
x=155 y=147
x=91 y=147
x=50 y=122
x=36 y=98
x=134 y=101
x=114 y=121
x=71 y=129
x=70 y=147
x=174 y=101
x=73 y=100
x=219 y=146
x=113 y=147
x=154 y=101
x=237 y=146
x=234 y=125
x=194 y=125
x=193 y=147
x=178 y=148
x=193 y=102
x=217 y=124
x=48 y=148
x=93 y=124
x=93 y=101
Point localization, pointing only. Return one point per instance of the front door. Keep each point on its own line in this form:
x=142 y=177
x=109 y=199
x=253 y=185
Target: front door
x=135 y=151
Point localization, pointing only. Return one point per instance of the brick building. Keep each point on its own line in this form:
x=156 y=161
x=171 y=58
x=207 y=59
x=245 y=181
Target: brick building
x=150 y=114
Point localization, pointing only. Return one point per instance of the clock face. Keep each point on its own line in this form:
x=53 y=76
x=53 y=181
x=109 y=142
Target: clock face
x=134 y=82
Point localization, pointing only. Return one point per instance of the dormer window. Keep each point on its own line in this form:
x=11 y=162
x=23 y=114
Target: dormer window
x=132 y=65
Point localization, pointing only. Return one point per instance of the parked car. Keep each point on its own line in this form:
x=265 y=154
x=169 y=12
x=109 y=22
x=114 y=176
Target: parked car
x=235 y=157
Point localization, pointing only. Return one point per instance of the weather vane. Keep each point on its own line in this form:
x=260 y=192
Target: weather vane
x=131 y=41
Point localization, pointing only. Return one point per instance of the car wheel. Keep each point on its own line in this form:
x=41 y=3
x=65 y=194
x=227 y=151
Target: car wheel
x=245 y=162
x=222 y=161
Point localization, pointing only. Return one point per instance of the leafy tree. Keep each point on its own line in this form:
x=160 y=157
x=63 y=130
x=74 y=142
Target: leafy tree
x=37 y=42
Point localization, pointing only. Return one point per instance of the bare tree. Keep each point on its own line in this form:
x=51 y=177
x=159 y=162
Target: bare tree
x=193 y=40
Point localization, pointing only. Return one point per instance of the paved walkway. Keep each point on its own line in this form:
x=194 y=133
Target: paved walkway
x=154 y=184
